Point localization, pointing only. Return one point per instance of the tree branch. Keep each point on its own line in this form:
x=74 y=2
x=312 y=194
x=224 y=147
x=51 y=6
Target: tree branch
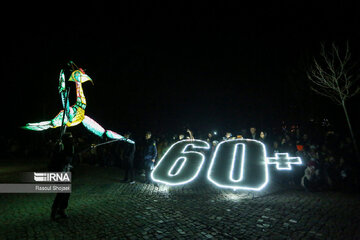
x=332 y=76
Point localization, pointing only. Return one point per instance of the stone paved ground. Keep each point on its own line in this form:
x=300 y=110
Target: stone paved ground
x=101 y=207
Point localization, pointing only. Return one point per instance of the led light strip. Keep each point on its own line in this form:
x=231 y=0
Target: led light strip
x=231 y=173
x=279 y=159
x=256 y=156
x=186 y=161
x=174 y=165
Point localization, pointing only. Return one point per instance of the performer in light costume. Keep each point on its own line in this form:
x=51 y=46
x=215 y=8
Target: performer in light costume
x=73 y=115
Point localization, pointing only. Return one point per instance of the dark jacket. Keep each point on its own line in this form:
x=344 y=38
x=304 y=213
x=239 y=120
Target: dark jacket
x=255 y=136
x=150 y=151
x=129 y=151
x=62 y=157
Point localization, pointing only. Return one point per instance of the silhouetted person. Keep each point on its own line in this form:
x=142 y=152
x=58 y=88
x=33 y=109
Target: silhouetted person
x=263 y=138
x=191 y=135
x=150 y=153
x=253 y=133
x=275 y=148
x=61 y=162
x=228 y=136
x=181 y=137
x=128 y=155
x=209 y=138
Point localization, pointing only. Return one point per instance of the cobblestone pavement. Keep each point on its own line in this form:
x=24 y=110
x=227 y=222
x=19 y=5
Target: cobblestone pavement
x=101 y=207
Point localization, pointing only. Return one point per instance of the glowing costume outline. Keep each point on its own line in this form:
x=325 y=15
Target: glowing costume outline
x=73 y=115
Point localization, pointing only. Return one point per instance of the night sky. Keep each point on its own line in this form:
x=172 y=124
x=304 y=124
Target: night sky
x=163 y=67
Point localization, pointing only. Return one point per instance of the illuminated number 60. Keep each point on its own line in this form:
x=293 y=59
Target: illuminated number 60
x=239 y=164
x=181 y=163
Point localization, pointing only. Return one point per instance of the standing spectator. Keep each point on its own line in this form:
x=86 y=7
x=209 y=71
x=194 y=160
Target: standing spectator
x=284 y=147
x=150 y=154
x=61 y=162
x=253 y=133
x=275 y=148
x=105 y=157
x=290 y=144
x=162 y=146
x=181 y=137
x=209 y=138
x=331 y=172
x=305 y=140
x=128 y=155
x=191 y=136
x=212 y=149
x=263 y=138
x=228 y=136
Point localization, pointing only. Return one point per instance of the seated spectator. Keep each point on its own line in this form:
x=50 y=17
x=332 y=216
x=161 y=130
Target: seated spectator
x=310 y=180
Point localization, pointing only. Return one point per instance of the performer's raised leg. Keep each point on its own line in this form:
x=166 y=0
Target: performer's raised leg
x=98 y=130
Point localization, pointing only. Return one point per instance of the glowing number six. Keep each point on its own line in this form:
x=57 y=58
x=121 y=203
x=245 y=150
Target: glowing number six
x=180 y=164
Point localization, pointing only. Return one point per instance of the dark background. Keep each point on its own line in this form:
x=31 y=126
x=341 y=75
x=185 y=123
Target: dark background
x=166 y=66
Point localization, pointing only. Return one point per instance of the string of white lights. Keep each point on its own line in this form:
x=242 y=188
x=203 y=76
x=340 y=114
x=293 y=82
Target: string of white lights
x=192 y=162
x=179 y=166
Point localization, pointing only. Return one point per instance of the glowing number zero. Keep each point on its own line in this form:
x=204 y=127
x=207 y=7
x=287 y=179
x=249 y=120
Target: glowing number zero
x=239 y=164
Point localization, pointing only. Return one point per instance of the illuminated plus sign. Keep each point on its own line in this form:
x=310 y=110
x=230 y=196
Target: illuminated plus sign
x=283 y=161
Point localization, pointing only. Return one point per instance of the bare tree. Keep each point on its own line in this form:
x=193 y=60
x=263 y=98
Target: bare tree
x=332 y=76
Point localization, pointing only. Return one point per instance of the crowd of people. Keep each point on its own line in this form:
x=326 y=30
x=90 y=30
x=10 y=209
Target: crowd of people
x=328 y=158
